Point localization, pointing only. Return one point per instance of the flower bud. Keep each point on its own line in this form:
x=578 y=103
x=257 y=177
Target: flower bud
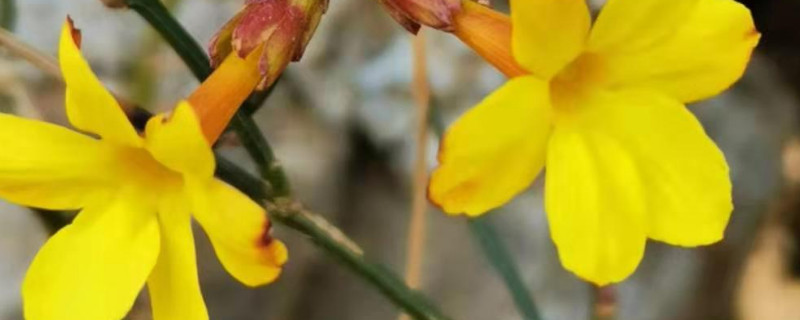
x=437 y=14
x=281 y=28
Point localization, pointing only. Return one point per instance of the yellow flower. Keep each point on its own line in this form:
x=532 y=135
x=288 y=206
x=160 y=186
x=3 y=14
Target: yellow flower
x=603 y=108
x=136 y=196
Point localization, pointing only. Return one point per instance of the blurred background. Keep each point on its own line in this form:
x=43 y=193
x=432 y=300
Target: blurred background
x=343 y=121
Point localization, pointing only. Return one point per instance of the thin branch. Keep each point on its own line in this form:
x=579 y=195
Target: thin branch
x=415 y=246
x=605 y=303
x=30 y=54
x=257 y=146
x=381 y=277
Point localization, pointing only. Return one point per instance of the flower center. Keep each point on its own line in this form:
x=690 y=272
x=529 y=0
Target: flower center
x=139 y=167
x=577 y=80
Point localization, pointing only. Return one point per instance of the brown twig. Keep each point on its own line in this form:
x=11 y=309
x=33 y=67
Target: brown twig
x=415 y=247
x=605 y=303
x=28 y=53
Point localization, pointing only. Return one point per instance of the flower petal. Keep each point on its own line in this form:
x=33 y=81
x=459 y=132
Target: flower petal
x=684 y=174
x=635 y=24
x=178 y=143
x=646 y=168
x=594 y=204
x=94 y=268
x=691 y=50
x=548 y=34
x=173 y=285
x=495 y=150
x=90 y=107
x=239 y=231
x=52 y=167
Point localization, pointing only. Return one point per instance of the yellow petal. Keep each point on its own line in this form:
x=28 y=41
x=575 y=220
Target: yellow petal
x=594 y=203
x=178 y=143
x=90 y=107
x=690 y=50
x=548 y=34
x=685 y=176
x=239 y=231
x=47 y=166
x=626 y=166
x=94 y=268
x=495 y=150
x=173 y=284
x=634 y=24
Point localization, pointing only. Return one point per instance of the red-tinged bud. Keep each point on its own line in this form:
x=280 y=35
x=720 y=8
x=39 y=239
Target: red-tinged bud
x=282 y=28
x=437 y=14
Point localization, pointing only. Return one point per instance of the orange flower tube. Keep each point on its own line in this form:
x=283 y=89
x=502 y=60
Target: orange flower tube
x=488 y=32
x=217 y=99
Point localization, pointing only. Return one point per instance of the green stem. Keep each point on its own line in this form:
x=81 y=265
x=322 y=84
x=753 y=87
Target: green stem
x=394 y=288
x=257 y=146
x=501 y=261
x=257 y=98
x=8 y=14
x=185 y=46
x=239 y=178
x=315 y=227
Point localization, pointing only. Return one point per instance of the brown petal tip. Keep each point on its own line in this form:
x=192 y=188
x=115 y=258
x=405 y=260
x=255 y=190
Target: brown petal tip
x=76 y=33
